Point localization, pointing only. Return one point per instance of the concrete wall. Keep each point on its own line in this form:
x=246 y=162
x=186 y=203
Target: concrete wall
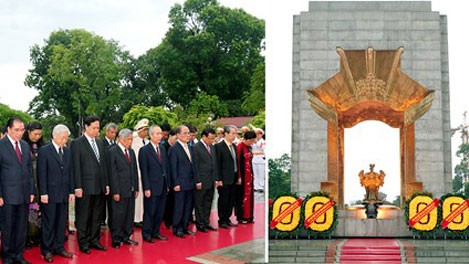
x=384 y=26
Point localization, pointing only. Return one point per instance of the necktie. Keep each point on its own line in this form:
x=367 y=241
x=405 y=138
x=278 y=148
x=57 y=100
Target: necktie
x=158 y=153
x=127 y=156
x=61 y=154
x=143 y=141
x=233 y=155
x=186 y=149
x=208 y=149
x=95 y=149
x=18 y=152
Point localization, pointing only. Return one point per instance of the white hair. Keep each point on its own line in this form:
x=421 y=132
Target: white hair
x=60 y=129
x=125 y=133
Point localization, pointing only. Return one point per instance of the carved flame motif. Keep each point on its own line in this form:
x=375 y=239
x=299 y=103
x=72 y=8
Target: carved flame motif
x=370 y=88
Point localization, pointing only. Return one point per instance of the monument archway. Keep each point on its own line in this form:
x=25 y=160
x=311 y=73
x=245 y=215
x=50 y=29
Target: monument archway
x=370 y=86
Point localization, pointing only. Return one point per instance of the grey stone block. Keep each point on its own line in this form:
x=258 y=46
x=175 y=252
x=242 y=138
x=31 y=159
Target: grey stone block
x=368 y=15
x=373 y=25
x=318 y=5
x=394 y=25
x=392 y=15
x=422 y=16
x=408 y=5
x=341 y=35
x=425 y=25
x=340 y=15
x=343 y=25
x=369 y=35
x=313 y=35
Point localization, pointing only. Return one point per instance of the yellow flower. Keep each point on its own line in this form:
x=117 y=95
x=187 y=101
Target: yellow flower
x=323 y=222
x=428 y=222
x=461 y=222
x=290 y=222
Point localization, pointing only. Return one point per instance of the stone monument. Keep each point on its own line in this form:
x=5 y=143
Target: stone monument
x=357 y=61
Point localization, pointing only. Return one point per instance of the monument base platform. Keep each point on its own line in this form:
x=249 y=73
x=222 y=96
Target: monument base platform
x=389 y=223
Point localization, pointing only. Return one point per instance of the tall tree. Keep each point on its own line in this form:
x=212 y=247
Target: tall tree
x=208 y=48
x=6 y=113
x=156 y=115
x=254 y=99
x=78 y=73
x=461 y=171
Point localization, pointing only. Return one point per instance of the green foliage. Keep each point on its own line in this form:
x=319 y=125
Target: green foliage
x=466 y=189
x=254 y=100
x=279 y=176
x=204 y=104
x=457 y=183
x=48 y=123
x=208 y=48
x=259 y=120
x=6 y=113
x=397 y=201
x=78 y=73
x=156 y=116
x=461 y=171
x=201 y=111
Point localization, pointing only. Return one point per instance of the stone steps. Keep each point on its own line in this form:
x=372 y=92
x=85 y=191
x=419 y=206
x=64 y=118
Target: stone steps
x=436 y=251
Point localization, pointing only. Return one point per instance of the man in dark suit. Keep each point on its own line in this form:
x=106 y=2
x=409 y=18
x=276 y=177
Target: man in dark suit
x=110 y=132
x=183 y=176
x=124 y=188
x=154 y=168
x=91 y=185
x=16 y=191
x=205 y=161
x=55 y=182
x=227 y=170
x=169 y=208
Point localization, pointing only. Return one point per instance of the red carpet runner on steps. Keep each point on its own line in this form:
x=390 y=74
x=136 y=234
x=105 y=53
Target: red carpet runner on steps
x=175 y=250
x=371 y=250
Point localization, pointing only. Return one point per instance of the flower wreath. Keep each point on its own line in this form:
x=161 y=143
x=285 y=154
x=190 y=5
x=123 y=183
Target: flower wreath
x=286 y=229
x=454 y=229
x=434 y=218
x=324 y=224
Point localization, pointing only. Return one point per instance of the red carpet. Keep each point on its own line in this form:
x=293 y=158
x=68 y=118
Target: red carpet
x=175 y=250
x=372 y=250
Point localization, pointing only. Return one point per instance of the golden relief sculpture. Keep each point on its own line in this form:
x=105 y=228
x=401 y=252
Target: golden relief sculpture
x=372 y=181
x=366 y=78
x=370 y=85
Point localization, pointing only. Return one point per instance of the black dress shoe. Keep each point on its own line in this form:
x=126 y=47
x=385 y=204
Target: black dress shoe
x=138 y=224
x=180 y=234
x=188 y=232
x=202 y=229
x=116 y=245
x=48 y=257
x=130 y=242
x=85 y=250
x=64 y=254
x=232 y=224
x=223 y=225
x=209 y=227
x=149 y=240
x=98 y=246
x=160 y=237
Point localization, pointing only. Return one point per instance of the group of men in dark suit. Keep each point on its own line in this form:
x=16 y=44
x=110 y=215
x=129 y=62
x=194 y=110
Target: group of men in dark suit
x=90 y=169
x=54 y=180
x=16 y=191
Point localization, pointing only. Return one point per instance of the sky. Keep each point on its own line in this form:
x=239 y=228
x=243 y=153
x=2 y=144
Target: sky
x=139 y=25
